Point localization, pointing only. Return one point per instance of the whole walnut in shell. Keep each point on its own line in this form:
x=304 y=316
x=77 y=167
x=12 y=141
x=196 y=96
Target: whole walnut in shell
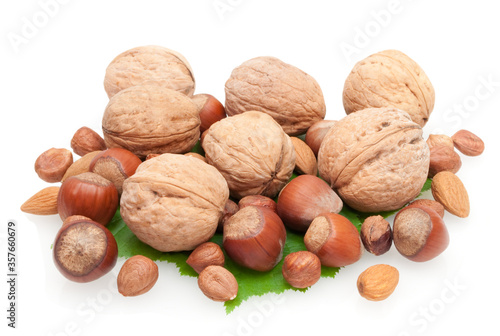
x=252 y=152
x=289 y=95
x=174 y=202
x=376 y=159
x=390 y=79
x=138 y=65
x=148 y=119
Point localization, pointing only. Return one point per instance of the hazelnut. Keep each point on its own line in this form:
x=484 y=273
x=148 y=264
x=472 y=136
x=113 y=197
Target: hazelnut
x=53 y=163
x=137 y=276
x=375 y=159
x=289 y=95
x=378 y=282
x=468 y=143
x=419 y=233
x=218 y=284
x=434 y=205
x=443 y=158
x=301 y=269
x=258 y=200
x=316 y=133
x=376 y=235
x=135 y=66
x=305 y=162
x=205 y=255
x=229 y=209
x=90 y=195
x=303 y=199
x=84 y=250
x=334 y=239
x=86 y=141
x=254 y=237
x=252 y=152
x=389 y=79
x=115 y=165
x=210 y=109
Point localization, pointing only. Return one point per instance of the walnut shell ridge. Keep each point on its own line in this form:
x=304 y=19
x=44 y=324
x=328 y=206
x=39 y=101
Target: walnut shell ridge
x=376 y=159
x=266 y=84
x=173 y=202
x=147 y=119
x=137 y=65
x=253 y=153
x=389 y=79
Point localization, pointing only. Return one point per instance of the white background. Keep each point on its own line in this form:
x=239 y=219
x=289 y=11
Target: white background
x=51 y=84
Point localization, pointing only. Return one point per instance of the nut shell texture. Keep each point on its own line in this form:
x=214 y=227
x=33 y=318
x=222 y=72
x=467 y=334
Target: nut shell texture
x=376 y=159
x=292 y=97
x=174 y=202
x=137 y=65
x=149 y=119
x=252 y=152
x=390 y=79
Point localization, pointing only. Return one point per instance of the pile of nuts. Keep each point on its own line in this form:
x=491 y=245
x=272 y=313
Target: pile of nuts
x=372 y=160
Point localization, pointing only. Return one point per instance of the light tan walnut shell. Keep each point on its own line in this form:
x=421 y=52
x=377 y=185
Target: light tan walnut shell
x=289 y=95
x=148 y=119
x=135 y=66
x=252 y=152
x=376 y=159
x=174 y=202
x=390 y=79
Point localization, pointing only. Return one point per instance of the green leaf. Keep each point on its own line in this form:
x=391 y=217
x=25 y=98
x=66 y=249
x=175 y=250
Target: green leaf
x=251 y=283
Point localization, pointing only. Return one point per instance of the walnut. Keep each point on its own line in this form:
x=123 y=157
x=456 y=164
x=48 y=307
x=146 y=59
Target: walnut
x=376 y=159
x=148 y=119
x=390 y=79
x=289 y=95
x=174 y=202
x=137 y=65
x=252 y=152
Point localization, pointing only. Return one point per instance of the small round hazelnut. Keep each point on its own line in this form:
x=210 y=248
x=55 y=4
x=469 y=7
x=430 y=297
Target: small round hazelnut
x=115 y=165
x=211 y=110
x=443 y=158
x=303 y=199
x=218 y=284
x=376 y=235
x=205 y=255
x=420 y=233
x=229 y=210
x=86 y=141
x=301 y=269
x=316 y=133
x=254 y=237
x=258 y=200
x=137 y=276
x=84 y=250
x=90 y=195
x=334 y=239
x=53 y=163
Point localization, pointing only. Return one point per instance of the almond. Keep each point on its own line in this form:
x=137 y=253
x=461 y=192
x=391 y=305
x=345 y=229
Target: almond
x=43 y=202
x=82 y=165
x=378 y=282
x=468 y=143
x=435 y=140
x=449 y=190
x=305 y=162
